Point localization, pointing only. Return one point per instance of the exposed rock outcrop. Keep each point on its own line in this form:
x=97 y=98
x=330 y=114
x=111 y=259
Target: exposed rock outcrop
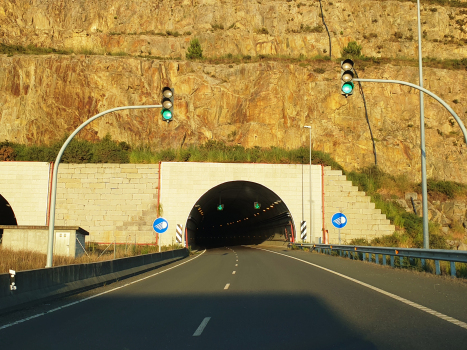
x=258 y=104
x=238 y=27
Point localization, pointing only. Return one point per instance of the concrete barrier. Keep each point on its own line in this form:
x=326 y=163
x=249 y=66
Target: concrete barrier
x=43 y=284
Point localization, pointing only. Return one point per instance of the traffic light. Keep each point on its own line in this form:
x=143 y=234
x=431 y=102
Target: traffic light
x=257 y=205
x=220 y=207
x=347 y=76
x=167 y=104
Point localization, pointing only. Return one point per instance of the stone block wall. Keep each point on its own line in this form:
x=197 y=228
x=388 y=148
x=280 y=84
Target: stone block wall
x=111 y=201
x=25 y=185
x=364 y=221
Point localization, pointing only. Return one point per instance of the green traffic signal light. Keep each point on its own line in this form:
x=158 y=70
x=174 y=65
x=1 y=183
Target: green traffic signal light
x=167 y=104
x=257 y=205
x=166 y=114
x=347 y=75
x=347 y=88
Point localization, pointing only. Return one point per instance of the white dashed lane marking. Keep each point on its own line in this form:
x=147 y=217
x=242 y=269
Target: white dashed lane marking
x=233 y=273
x=201 y=327
x=227 y=286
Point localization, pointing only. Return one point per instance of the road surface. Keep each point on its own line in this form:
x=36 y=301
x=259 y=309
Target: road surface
x=247 y=298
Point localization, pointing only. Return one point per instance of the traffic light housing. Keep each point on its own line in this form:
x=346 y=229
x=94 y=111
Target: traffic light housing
x=220 y=207
x=167 y=104
x=257 y=205
x=347 y=75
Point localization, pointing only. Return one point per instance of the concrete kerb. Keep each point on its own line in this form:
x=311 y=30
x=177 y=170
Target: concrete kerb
x=37 y=286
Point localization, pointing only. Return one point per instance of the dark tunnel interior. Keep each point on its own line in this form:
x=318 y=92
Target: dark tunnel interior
x=7 y=216
x=226 y=215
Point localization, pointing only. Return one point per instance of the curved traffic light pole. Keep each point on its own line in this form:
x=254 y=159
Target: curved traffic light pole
x=450 y=110
x=426 y=238
x=50 y=245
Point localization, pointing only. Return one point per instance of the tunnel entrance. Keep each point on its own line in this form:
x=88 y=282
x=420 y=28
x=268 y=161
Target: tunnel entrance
x=7 y=216
x=226 y=215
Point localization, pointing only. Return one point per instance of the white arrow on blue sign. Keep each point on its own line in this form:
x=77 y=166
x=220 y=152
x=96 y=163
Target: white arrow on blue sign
x=339 y=220
x=160 y=225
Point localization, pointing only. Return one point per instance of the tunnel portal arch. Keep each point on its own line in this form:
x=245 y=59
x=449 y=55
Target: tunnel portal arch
x=239 y=221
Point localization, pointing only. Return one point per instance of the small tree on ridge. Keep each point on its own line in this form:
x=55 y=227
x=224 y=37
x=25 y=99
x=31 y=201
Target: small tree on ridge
x=194 y=50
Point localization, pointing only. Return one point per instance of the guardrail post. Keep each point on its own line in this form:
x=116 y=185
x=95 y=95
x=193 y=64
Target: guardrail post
x=423 y=263
x=377 y=259
x=392 y=260
x=384 y=259
x=453 y=269
x=438 y=270
x=401 y=261
x=340 y=253
x=363 y=256
x=369 y=257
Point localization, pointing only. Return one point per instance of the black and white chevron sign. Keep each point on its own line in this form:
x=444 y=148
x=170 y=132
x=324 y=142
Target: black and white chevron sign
x=179 y=233
x=303 y=227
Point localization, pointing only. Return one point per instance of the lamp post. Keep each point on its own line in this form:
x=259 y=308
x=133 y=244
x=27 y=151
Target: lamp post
x=426 y=237
x=50 y=243
x=312 y=238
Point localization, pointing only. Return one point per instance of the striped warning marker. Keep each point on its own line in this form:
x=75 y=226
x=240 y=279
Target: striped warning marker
x=303 y=230
x=179 y=233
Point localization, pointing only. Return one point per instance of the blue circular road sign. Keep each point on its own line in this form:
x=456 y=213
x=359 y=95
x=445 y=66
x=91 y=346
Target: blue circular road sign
x=160 y=225
x=339 y=220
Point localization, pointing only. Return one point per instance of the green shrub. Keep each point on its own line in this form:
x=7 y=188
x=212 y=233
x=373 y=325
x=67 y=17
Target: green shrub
x=449 y=188
x=262 y=31
x=352 y=50
x=109 y=151
x=78 y=151
x=194 y=50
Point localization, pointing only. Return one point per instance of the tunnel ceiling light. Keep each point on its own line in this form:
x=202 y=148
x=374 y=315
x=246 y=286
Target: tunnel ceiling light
x=264 y=209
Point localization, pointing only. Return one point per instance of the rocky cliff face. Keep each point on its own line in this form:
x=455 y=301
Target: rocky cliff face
x=237 y=27
x=265 y=103
x=256 y=104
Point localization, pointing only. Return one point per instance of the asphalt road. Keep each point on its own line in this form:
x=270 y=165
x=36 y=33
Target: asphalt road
x=270 y=302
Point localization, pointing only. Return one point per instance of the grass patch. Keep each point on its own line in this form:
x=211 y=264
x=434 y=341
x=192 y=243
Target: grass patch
x=382 y=188
x=78 y=151
x=219 y=152
x=26 y=260
x=11 y=50
x=361 y=62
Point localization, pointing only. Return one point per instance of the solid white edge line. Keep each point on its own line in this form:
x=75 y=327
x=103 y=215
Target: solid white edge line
x=201 y=327
x=393 y=296
x=94 y=296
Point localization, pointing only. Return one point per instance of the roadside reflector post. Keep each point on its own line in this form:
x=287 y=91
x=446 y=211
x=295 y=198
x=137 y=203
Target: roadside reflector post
x=453 y=269
x=12 y=280
x=438 y=269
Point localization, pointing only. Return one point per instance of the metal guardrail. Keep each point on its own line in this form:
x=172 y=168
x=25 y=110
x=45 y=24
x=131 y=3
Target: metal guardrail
x=353 y=251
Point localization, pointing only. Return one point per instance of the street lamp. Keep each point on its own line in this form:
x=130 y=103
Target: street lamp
x=312 y=238
x=426 y=235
